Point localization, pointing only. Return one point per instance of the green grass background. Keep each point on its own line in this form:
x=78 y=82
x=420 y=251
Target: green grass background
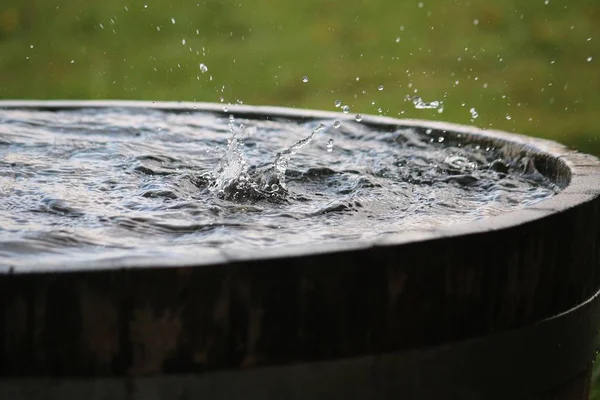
x=524 y=59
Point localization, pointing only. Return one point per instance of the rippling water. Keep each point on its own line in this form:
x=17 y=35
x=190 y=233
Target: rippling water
x=94 y=184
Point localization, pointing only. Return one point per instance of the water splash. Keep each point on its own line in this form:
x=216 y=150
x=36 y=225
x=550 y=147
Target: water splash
x=281 y=161
x=232 y=166
x=235 y=179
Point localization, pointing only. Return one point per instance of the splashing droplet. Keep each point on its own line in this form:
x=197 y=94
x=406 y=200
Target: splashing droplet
x=358 y=117
x=346 y=109
x=474 y=113
x=284 y=157
x=421 y=105
x=508 y=117
x=274 y=187
x=330 y=145
x=337 y=124
x=305 y=79
x=203 y=68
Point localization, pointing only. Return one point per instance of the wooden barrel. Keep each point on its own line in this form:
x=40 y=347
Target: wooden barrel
x=505 y=307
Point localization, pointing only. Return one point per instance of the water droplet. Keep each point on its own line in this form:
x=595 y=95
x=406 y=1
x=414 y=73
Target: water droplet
x=274 y=187
x=305 y=79
x=329 y=145
x=31 y=46
x=203 y=68
x=183 y=41
x=346 y=109
x=474 y=113
x=398 y=39
x=338 y=103
x=337 y=124
x=421 y=105
x=589 y=59
x=380 y=88
x=508 y=117
x=546 y=2
x=441 y=139
x=173 y=21
x=358 y=117
x=145 y=5
x=72 y=61
x=475 y=22
x=421 y=5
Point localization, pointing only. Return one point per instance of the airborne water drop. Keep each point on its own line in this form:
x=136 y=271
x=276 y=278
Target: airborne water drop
x=474 y=113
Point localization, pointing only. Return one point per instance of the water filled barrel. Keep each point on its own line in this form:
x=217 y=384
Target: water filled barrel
x=501 y=307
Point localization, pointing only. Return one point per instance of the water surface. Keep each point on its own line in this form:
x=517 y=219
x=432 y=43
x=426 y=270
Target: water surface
x=84 y=185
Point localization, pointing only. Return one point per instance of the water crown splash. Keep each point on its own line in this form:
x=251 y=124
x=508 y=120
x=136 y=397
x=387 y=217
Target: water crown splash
x=235 y=179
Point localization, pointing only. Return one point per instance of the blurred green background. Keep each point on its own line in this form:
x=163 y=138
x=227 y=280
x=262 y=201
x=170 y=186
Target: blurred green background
x=526 y=66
